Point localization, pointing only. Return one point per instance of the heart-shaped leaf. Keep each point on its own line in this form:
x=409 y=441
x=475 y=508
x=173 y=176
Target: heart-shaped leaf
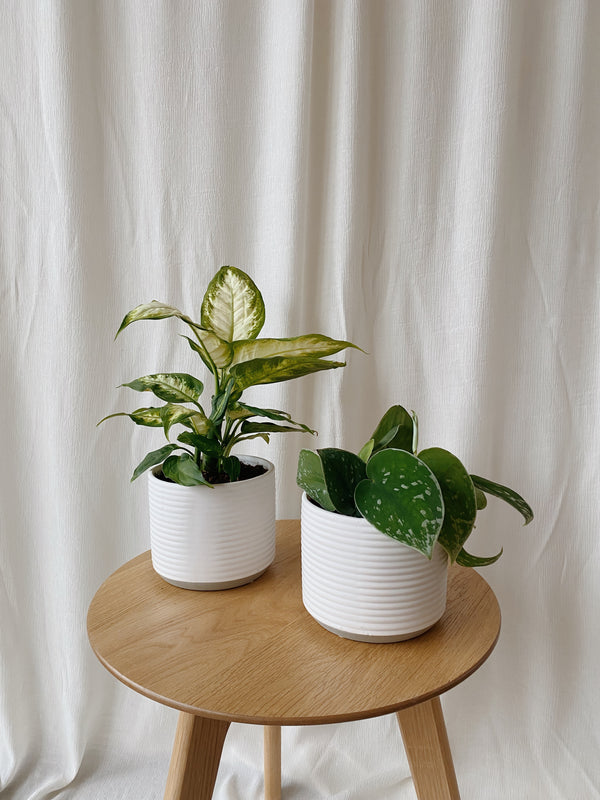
x=310 y=478
x=504 y=493
x=313 y=344
x=343 y=471
x=184 y=471
x=395 y=430
x=173 y=387
x=233 y=307
x=153 y=458
x=273 y=370
x=465 y=559
x=459 y=498
x=402 y=498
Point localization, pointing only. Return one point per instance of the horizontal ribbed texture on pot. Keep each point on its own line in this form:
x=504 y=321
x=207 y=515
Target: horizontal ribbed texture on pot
x=361 y=583
x=201 y=535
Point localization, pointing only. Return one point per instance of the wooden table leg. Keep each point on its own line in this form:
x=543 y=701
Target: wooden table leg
x=272 y=736
x=195 y=758
x=426 y=743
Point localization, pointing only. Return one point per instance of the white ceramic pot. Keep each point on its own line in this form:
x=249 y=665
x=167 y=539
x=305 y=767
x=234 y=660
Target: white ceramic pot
x=208 y=539
x=363 y=585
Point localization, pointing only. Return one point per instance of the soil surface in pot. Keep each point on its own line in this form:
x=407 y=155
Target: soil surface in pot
x=247 y=471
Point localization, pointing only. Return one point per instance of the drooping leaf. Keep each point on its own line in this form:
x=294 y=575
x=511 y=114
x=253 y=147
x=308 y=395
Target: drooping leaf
x=395 y=419
x=219 y=351
x=459 y=498
x=150 y=417
x=310 y=478
x=202 y=443
x=273 y=370
x=366 y=450
x=402 y=498
x=153 y=310
x=504 y=493
x=183 y=469
x=480 y=499
x=467 y=560
x=173 y=387
x=312 y=344
x=343 y=471
x=268 y=427
x=152 y=459
x=233 y=307
x=172 y=414
x=244 y=411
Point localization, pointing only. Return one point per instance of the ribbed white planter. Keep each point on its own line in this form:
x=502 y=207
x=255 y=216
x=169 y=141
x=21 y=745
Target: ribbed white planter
x=363 y=585
x=219 y=538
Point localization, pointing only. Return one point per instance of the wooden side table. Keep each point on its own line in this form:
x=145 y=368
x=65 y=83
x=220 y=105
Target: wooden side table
x=254 y=655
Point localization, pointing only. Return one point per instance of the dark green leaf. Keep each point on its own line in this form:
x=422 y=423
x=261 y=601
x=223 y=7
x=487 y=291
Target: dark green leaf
x=220 y=401
x=398 y=420
x=480 y=499
x=153 y=458
x=174 y=387
x=272 y=370
x=184 y=471
x=268 y=427
x=343 y=471
x=310 y=478
x=201 y=443
x=402 y=498
x=459 y=498
x=232 y=467
x=504 y=493
x=467 y=560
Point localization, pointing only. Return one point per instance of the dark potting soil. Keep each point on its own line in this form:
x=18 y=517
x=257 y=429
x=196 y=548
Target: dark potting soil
x=247 y=471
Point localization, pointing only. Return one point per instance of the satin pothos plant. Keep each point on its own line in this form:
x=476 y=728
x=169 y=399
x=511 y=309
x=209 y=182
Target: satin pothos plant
x=226 y=340
x=418 y=498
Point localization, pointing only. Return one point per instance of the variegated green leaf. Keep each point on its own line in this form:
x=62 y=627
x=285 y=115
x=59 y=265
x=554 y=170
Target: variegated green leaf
x=153 y=458
x=465 y=559
x=173 y=387
x=153 y=310
x=504 y=493
x=198 y=422
x=244 y=411
x=343 y=471
x=184 y=470
x=310 y=478
x=233 y=307
x=459 y=498
x=172 y=414
x=201 y=443
x=313 y=344
x=273 y=370
x=267 y=427
x=150 y=417
x=220 y=352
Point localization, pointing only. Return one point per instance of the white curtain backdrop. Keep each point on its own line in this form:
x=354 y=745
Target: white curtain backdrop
x=421 y=177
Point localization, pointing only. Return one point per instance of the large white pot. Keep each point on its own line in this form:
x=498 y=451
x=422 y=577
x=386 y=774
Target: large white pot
x=363 y=585
x=219 y=538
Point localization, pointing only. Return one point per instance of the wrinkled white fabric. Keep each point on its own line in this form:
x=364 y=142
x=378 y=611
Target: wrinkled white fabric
x=418 y=176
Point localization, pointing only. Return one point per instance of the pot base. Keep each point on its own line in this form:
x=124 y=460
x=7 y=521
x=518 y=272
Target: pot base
x=214 y=587
x=374 y=639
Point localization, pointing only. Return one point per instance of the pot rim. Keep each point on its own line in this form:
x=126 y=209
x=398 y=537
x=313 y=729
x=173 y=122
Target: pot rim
x=246 y=459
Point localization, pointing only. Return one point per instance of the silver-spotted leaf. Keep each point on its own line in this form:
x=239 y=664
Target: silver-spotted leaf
x=233 y=307
x=465 y=559
x=343 y=471
x=459 y=498
x=504 y=493
x=402 y=498
x=310 y=478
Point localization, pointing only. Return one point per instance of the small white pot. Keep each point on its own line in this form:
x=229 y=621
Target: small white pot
x=219 y=538
x=363 y=585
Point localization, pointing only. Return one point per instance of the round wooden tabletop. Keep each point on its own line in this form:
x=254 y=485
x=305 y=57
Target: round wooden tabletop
x=255 y=655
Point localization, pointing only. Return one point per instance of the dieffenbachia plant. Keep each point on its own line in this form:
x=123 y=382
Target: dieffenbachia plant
x=418 y=499
x=226 y=339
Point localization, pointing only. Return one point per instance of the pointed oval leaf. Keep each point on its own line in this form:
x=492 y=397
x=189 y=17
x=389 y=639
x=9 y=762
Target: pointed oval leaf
x=184 y=471
x=399 y=420
x=402 y=498
x=310 y=478
x=173 y=387
x=273 y=370
x=219 y=351
x=465 y=559
x=504 y=493
x=268 y=427
x=313 y=344
x=343 y=471
x=459 y=498
x=153 y=458
x=366 y=450
x=233 y=307
x=172 y=414
x=244 y=411
x=153 y=310
x=150 y=417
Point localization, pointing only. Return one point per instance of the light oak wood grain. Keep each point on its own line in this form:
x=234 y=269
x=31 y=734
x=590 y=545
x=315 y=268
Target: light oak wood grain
x=272 y=739
x=428 y=750
x=255 y=655
x=195 y=758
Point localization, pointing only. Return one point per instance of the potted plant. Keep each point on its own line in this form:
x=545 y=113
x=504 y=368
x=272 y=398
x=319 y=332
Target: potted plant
x=212 y=513
x=380 y=527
